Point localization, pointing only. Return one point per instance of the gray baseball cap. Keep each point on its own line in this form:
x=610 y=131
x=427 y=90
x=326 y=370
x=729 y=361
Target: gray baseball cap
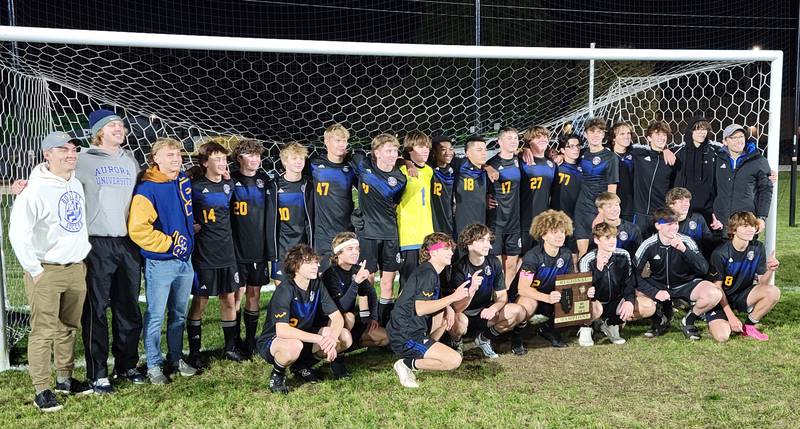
x=56 y=139
x=732 y=128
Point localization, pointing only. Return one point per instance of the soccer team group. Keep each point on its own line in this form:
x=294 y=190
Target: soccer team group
x=477 y=243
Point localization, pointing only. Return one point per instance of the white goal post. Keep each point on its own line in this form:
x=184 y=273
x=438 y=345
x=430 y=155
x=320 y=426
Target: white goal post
x=772 y=60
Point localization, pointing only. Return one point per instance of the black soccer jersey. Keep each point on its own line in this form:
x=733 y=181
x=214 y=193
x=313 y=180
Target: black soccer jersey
x=344 y=290
x=737 y=270
x=249 y=216
x=301 y=309
x=545 y=268
x=442 y=199
x=504 y=218
x=695 y=227
x=628 y=236
x=536 y=190
x=333 y=197
x=599 y=169
x=292 y=214
x=615 y=281
x=493 y=280
x=567 y=188
x=470 y=194
x=422 y=285
x=211 y=202
x=625 y=185
x=378 y=194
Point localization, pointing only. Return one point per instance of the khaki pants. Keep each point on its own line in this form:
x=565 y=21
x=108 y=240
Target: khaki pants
x=56 y=302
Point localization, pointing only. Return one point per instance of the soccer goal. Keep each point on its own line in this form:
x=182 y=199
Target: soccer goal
x=200 y=88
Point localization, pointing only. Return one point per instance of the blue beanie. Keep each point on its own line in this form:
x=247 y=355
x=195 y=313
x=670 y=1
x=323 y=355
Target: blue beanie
x=99 y=118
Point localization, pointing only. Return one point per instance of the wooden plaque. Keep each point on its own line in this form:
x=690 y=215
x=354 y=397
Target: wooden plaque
x=574 y=307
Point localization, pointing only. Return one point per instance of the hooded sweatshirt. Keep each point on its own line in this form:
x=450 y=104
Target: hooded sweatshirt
x=108 y=181
x=695 y=170
x=49 y=221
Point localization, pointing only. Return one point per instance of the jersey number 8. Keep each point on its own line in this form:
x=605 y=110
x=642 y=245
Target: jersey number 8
x=728 y=280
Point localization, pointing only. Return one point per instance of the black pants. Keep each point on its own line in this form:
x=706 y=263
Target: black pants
x=113 y=276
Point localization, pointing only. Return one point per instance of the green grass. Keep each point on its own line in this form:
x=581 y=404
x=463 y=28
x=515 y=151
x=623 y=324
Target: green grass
x=667 y=382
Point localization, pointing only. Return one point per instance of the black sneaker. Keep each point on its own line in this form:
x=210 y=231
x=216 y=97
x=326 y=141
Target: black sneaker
x=277 y=383
x=553 y=337
x=74 y=387
x=339 y=369
x=132 y=374
x=102 y=386
x=196 y=361
x=517 y=346
x=245 y=349
x=307 y=374
x=658 y=326
x=233 y=355
x=689 y=331
x=46 y=401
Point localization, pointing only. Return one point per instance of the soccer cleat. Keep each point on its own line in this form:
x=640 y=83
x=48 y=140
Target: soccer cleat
x=184 y=369
x=658 y=326
x=133 y=375
x=552 y=337
x=689 y=331
x=102 y=386
x=74 y=387
x=612 y=333
x=406 y=375
x=46 y=401
x=196 y=361
x=307 y=374
x=585 y=336
x=517 y=346
x=339 y=369
x=157 y=376
x=233 y=355
x=277 y=383
x=753 y=332
x=486 y=347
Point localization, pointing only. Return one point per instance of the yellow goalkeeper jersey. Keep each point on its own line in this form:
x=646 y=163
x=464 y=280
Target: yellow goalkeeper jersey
x=414 y=218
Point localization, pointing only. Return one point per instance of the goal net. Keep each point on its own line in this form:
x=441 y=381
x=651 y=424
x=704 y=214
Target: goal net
x=214 y=88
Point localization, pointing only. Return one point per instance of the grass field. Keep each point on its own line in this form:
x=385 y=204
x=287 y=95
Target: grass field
x=663 y=383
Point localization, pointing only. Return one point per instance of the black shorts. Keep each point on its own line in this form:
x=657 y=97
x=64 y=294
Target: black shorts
x=215 y=281
x=276 y=272
x=380 y=254
x=715 y=313
x=263 y=347
x=507 y=244
x=254 y=273
x=582 y=223
x=358 y=331
x=684 y=291
x=738 y=301
x=610 y=312
x=412 y=348
x=475 y=324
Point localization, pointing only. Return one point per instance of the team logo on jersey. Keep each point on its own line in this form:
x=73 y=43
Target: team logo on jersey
x=692 y=225
x=623 y=235
x=560 y=263
x=259 y=183
x=730 y=260
x=500 y=167
x=596 y=160
x=369 y=170
x=392 y=181
x=580 y=169
x=487 y=270
x=427 y=294
x=550 y=163
x=750 y=255
x=236 y=277
x=238 y=184
x=279 y=315
x=227 y=188
x=345 y=169
x=205 y=191
x=70 y=211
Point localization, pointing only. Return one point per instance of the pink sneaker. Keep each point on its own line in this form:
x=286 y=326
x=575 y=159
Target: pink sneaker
x=752 y=331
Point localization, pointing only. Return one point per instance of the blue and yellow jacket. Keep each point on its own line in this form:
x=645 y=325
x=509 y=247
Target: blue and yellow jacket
x=161 y=220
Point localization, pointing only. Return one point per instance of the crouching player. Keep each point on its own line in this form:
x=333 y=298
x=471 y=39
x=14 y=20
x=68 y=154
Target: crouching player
x=421 y=316
x=347 y=279
x=486 y=310
x=291 y=336
x=736 y=264
x=613 y=290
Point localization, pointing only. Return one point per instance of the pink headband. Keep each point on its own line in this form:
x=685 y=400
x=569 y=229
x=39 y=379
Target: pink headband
x=437 y=246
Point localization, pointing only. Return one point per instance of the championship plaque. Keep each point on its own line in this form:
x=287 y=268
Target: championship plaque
x=573 y=309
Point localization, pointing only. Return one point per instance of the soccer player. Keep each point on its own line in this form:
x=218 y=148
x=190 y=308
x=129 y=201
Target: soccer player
x=691 y=224
x=381 y=187
x=677 y=269
x=50 y=238
x=742 y=179
x=422 y=315
x=628 y=235
x=347 y=278
x=600 y=172
x=570 y=177
x=471 y=184
x=536 y=189
x=535 y=284
x=654 y=176
x=414 y=217
x=333 y=178
x=613 y=291
x=291 y=206
x=504 y=218
x=292 y=335
x=161 y=224
x=743 y=271
x=486 y=310
x=214 y=258
x=621 y=136
x=249 y=221
x=695 y=169
x=442 y=189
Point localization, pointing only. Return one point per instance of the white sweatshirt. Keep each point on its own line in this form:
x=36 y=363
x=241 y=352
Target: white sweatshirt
x=48 y=221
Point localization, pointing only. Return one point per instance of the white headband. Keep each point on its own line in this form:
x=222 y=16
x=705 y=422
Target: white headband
x=341 y=246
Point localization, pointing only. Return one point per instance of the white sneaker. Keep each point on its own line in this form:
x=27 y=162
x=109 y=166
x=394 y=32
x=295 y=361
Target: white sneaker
x=407 y=378
x=585 y=336
x=612 y=333
x=486 y=347
x=538 y=319
x=185 y=369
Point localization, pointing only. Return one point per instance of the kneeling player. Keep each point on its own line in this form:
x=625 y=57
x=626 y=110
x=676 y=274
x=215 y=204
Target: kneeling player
x=420 y=316
x=346 y=279
x=737 y=264
x=290 y=334
x=535 y=284
x=676 y=271
x=613 y=290
x=482 y=312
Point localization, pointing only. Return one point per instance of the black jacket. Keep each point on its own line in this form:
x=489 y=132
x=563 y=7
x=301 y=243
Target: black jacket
x=695 y=170
x=744 y=188
x=668 y=266
x=616 y=281
x=651 y=181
